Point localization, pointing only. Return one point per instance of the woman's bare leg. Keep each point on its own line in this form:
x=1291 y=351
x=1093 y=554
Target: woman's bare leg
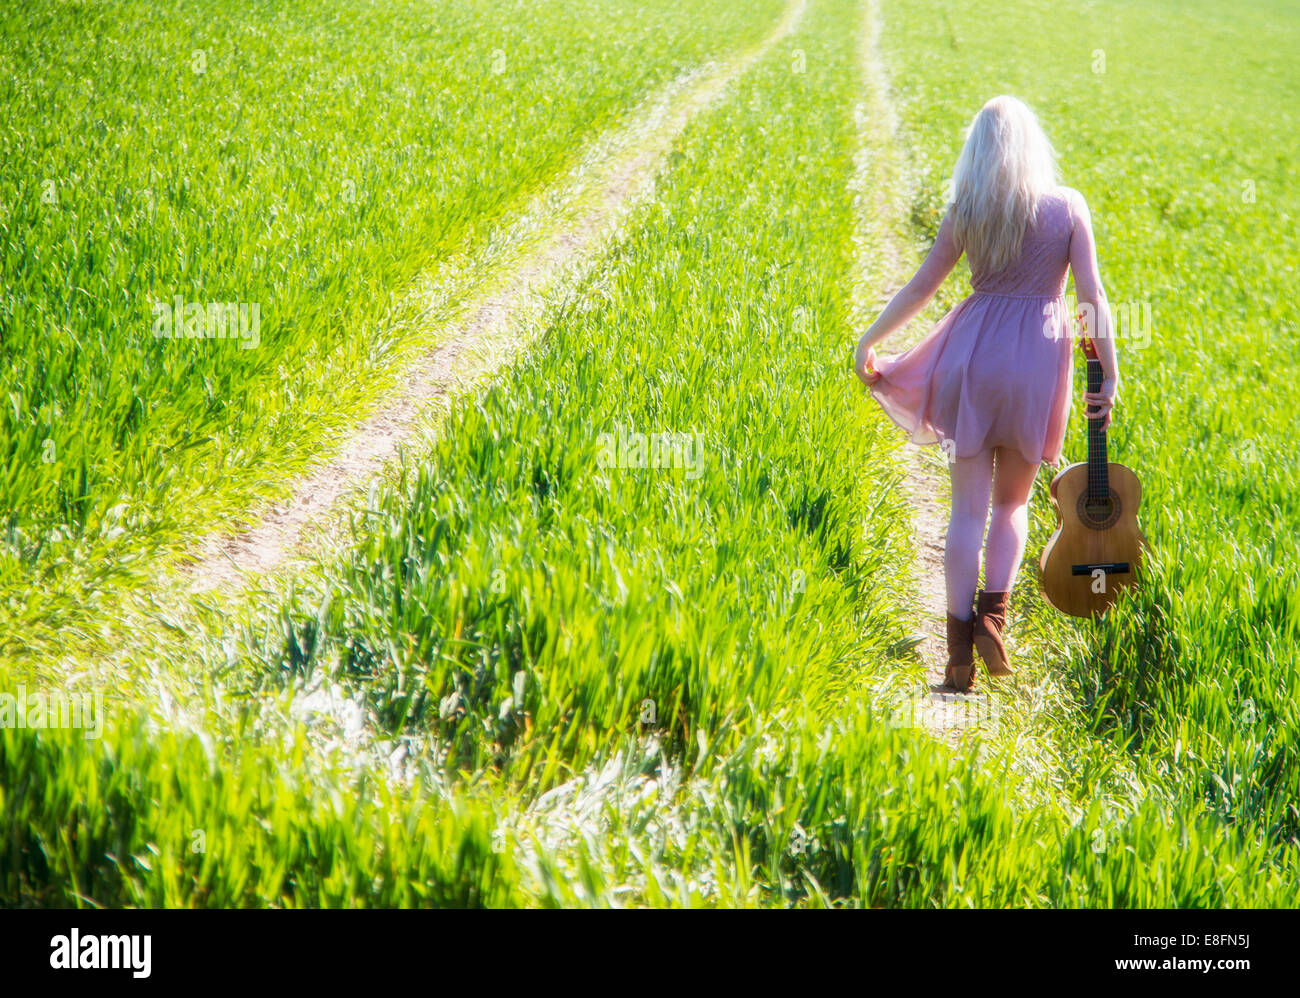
x=972 y=479
x=1013 y=481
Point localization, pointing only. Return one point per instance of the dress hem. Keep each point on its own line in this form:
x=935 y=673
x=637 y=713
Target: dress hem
x=915 y=433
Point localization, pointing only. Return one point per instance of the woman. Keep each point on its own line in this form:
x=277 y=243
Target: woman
x=991 y=381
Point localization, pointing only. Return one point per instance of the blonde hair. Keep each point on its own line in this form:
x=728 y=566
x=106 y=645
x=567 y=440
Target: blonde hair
x=1005 y=167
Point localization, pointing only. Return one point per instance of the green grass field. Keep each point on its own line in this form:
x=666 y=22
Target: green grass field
x=528 y=675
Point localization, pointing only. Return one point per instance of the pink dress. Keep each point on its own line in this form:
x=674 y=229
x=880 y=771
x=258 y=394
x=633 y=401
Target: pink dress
x=996 y=370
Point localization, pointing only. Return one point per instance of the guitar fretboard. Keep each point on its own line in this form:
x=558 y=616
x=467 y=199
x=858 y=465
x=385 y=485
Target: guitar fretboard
x=1098 y=481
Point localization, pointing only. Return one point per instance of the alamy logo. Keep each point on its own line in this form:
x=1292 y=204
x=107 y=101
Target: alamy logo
x=93 y=952
x=219 y=320
x=53 y=710
x=652 y=450
x=1130 y=320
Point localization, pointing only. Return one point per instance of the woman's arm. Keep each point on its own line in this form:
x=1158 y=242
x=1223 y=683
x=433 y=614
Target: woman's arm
x=1088 y=288
x=911 y=299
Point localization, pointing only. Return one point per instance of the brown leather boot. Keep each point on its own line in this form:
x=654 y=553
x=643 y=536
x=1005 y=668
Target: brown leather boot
x=960 y=673
x=990 y=622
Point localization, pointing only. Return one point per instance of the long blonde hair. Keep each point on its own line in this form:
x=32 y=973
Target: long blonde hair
x=1005 y=167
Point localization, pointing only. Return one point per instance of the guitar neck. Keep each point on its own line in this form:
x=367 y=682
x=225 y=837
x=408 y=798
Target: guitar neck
x=1098 y=478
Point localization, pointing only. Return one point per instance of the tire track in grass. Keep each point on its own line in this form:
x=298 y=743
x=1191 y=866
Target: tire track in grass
x=561 y=236
x=587 y=207
x=881 y=270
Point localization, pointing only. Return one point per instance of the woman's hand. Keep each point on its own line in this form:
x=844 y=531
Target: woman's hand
x=1100 y=404
x=864 y=365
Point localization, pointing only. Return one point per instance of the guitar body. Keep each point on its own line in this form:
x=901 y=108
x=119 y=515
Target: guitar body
x=1096 y=551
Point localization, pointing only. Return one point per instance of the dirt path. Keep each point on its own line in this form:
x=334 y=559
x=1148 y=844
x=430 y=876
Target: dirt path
x=578 y=215
x=505 y=289
x=885 y=263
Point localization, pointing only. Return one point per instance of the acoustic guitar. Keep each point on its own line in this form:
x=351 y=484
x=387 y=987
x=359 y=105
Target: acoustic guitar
x=1096 y=551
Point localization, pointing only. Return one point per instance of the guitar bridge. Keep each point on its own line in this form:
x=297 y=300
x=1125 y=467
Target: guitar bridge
x=1109 y=567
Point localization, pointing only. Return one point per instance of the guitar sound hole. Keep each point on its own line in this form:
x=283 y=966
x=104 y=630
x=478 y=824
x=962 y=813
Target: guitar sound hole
x=1099 y=514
